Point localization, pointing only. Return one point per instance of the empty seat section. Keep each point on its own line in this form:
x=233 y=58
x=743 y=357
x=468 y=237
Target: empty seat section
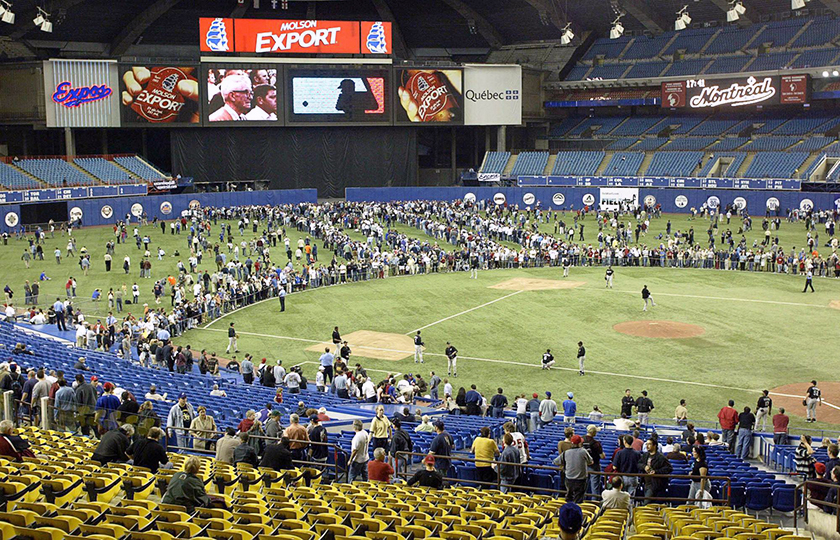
x=778 y=34
x=104 y=170
x=821 y=32
x=609 y=71
x=645 y=47
x=577 y=73
x=776 y=164
x=602 y=125
x=139 y=168
x=608 y=48
x=815 y=58
x=12 y=178
x=637 y=125
x=651 y=143
x=495 y=162
x=530 y=163
x=625 y=163
x=577 y=163
x=802 y=125
x=686 y=67
x=674 y=163
x=728 y=64
x=732 y=170
x=691 y=40
x=770 y=143
x=771 y=61
x=646 y=69
x=728 y=143
x=713 y=126
x=558 y=130
x=690 y=143
x=731 y=40
x=622 y=144
x=56 y=172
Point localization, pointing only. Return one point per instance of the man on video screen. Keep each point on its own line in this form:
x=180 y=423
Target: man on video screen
x=353 y=103
x=236 y=93
x=265 y=101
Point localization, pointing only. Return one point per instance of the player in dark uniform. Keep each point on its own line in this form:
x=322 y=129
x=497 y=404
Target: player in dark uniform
x=648 y=299
x=627 y=404
x=547 y=359
x=452 y=359
x=418 y=348
x=567 y=263
x=581 y=357
x=763 y=409
x=608 y=277
x=812 y=397
x=473 y=266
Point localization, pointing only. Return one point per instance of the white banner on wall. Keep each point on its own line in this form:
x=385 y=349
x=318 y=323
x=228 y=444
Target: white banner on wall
x=81 y=93
x=492 y=95
x=612 y=197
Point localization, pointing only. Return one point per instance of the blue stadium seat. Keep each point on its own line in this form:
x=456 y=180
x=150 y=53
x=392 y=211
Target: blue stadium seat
x=139 y=168
x=577 y=163
x=608 y=48
x=646 y=69
x=651 y=143
x=625 y=164
x=728 y=64
x=104 y=170
x=530 y=164
x=622 y=144
x=731 y=40
x=771 y=61
x=821 y=32
x=495 y=162
x=758 y=498
x=56 y=172
x=12 y=178
x=776 y=164
x=577 y=73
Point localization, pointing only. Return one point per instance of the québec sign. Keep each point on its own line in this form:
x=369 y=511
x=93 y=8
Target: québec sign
x=71 y=97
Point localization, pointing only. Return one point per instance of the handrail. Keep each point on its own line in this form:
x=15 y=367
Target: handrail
x=806 y=498
x=498 y=483
x=339 y=470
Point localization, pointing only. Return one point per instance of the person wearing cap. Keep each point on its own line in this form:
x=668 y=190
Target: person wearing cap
x=569 y=408
x=320 y=384
x=570 y=521
x=428 y=476
x=180 y=417
x=575 y=463
x=106 y=406
x=317 y=434
x=273 y=428
x=548 y=410
x=359 y=448
x=533 y=410
x=485 y=450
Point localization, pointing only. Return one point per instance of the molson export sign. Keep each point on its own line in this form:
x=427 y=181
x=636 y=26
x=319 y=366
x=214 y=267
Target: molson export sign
x=270 y=36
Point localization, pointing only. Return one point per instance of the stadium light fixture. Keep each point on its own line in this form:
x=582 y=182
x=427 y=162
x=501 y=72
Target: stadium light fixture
x=6 y=14
x=739 y=8
x=567 y=35
x=736 y=9
x=42 y=20
x=683 y=19
x=835 y=73
x=825 y=74
x=617 y=29
x=797 y=4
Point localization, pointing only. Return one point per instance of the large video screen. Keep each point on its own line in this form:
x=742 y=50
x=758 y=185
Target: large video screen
x=158 y=95
x=242 y=94
x=340 y=96
x=429 y=96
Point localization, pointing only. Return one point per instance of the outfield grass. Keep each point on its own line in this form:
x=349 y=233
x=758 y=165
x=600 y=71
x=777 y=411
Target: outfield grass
x=750 y=342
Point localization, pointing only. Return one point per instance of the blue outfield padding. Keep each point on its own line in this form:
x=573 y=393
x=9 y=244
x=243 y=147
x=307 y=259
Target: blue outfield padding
x=673 y=200
x=107 y=211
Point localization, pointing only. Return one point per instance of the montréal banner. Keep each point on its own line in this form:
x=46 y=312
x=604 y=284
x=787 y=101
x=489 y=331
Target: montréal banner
x=276 y=36
x=742 y=92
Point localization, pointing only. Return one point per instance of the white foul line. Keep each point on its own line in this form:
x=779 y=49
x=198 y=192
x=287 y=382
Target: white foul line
x=510 y=362
x=466 y=311
x=715 y=298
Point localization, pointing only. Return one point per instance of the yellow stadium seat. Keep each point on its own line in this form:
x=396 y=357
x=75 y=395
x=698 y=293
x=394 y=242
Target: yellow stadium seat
x=301 y=534
x=229 y=534
x=151 y=535
x=67 y=524
x=104 y=529
x=775 y=534
x=457 y=535
x=44 y=533
x=103 y=487
x=415 y=531
x=7 y=531
x=750 y=536
x=19 y=518
x=383 y=535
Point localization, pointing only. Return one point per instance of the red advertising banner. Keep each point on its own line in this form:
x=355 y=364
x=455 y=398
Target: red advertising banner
x=271 y=36
x=673 y=94
x=794 y=89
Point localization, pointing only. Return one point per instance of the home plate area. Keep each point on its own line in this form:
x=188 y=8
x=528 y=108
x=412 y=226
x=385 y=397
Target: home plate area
x=369 y=344
x=533 y=284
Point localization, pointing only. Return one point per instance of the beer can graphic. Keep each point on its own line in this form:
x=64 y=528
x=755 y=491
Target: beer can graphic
x=433 y=94
x=160 y=101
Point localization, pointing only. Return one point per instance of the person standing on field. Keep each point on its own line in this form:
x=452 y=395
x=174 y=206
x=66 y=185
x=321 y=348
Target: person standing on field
x=581 y=357
x=451 y=359
x=647 y=298
x=763 y=409
x=418 y=348
x=608 y=277
x=567 y=263
x=809 y=281
x=812 y=397
x=232 y=339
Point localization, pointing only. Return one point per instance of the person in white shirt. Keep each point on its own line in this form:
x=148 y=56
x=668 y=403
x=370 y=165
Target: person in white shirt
x=447 y=387
x=404 y=387
x=615 y=497
x=215 y=392
x=319 y=379
x=81 y=336
x=10 y=312
x=518 y=441
x=293 y=382
x=359 y=452
x=153 y=394
x=369 y=391
x=39 y=318
x=522 y=413
x=596 y=415
x=279 y=372
x=265 y=99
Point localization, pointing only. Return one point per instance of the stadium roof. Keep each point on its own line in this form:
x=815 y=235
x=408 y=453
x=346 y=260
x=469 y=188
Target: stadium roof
x=117 y=25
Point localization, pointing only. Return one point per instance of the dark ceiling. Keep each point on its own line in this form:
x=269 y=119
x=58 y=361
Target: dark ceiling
x=423 y=23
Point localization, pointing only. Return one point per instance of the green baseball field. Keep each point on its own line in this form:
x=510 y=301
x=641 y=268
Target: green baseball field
x=713 y=335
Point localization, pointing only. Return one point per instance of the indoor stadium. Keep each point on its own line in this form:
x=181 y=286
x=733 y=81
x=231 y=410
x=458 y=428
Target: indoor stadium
x=435 y=270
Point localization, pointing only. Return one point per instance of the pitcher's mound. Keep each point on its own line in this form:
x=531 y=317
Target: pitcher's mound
x=834 y=304
x=532 y=284
x=659 y=329
x=378 y=345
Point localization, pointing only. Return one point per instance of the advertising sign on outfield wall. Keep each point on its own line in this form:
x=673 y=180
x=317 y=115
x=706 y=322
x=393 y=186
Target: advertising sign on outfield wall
x=492 y=95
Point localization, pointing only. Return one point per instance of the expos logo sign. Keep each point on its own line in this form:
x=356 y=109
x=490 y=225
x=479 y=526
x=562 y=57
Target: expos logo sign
x=71 y=97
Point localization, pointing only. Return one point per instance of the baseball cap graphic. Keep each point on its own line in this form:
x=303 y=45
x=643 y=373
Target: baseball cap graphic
x=217 y=38
x=376 y=42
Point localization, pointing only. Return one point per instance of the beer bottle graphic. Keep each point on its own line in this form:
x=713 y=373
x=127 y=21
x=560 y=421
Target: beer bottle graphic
x=429 y=96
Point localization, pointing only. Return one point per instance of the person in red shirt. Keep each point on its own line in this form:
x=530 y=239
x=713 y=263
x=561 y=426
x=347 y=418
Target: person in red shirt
x=728 y=419
x=780 y=427
x=378 y=470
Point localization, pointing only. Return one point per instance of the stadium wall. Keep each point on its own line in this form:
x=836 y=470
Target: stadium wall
x=328 y=159
x=108 y=210
x=672 y=200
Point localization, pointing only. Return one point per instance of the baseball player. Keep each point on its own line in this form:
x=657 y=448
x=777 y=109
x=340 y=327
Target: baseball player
x=452 y=359
x=567 y=262
x=473 y=266
x=232 y=344
x=812 y=398
x=608 y=277
x=418 y=348
x=547 y=359
x=648 y=299
x=581 y=357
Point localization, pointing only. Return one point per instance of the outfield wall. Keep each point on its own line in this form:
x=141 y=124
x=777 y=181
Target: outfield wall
x=107 y=211
x=672 y=200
